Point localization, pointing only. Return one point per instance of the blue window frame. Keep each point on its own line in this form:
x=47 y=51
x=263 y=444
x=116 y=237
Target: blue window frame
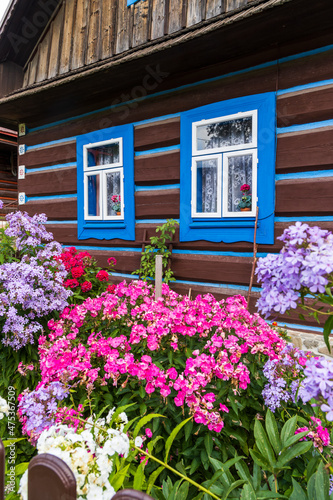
x=105 y=184
x=130 y=2
x=227 y=146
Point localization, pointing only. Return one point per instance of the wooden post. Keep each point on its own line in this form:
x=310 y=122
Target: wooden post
x=2 y=470
x=158 y=276
x=254 y=258
x=131 y=495
x=50 y=478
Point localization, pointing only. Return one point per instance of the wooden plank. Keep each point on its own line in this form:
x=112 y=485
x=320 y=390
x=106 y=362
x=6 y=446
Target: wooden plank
x=157 y=135
x=64 y=153
x=57 y=34
x=60 y=181
x=33 y=65
x=108 y=23
x=80 y=30
x=194 y=12
x=140 y=23
x=61 y=209
x=309 y=149
x=93 y=43
x=304 y=197
x=158 y=19
x=158 y=168
x=212 y=268
x=157 y=204
x=122 y=40
x=175 y=15
x=306 y=106
x=43 y=64
x=304 y=70
x=65 y=57
x=235 y=4
x=214 y=8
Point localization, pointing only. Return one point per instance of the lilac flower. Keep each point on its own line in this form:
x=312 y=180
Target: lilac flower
x=304 y=265
x=318 y=384
x=37 y=409
x=1 y=204
x=27 y=231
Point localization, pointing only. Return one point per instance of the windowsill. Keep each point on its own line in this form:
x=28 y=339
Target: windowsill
x=104 y=225
x=223 y=223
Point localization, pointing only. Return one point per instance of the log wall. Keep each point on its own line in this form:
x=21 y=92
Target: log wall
x=304 y=174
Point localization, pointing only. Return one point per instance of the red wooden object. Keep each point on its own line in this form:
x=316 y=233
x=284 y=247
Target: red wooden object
x=131 y=495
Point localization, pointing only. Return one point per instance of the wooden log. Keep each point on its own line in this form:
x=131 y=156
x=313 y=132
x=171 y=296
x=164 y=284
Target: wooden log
x=33 y=66
x=44 y=59
x=306 y=106
x=214 y=8
x=63 y=153
x=108 y=27
x=140 y=23
x=50 y=478
x=67 y=40
x=60 y=209
x=122 y=38
x=157 y=135
x=304 y=196
x=311 y=149
x=157 y=168
x=194 y=12
x=50 y=182
x=175 y=15
x=80 y=33
x=157 y=204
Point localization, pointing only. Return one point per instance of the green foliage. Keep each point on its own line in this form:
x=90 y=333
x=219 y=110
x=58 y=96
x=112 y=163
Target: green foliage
x=158 y=246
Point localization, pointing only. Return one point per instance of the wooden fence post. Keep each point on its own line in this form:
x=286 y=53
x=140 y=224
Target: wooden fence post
x=50 y=478
x=2 y=470
x=158 y=276
x=131 y=495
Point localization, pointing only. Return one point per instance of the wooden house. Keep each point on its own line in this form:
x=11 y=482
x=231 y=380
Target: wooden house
x=173 y=105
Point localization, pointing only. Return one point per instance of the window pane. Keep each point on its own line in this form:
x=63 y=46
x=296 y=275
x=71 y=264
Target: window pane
x=206 y=196
x=224 y=133
x=103 y=155
x=239 y=173
x=93 y=195
x=113 y=190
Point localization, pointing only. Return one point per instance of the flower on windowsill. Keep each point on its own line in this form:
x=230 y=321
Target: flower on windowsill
x=116 y=202
x=246 y=200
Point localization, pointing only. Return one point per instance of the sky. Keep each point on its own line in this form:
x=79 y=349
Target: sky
x=3 y=7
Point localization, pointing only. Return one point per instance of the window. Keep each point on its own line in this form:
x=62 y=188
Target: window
x=105 y=172
x=228 y=155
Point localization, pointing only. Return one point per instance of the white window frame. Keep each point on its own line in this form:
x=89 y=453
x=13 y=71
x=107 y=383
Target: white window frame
x=226 y=118
x=195 y=160
x=102 y=171
x=226 y=156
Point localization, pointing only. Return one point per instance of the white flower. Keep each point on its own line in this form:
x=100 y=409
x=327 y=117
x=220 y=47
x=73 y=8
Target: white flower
x=4 y=408
x=23 y=489
x=138 y=441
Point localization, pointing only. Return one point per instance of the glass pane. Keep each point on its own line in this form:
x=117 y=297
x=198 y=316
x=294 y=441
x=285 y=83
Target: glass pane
x=103 y=155
x=113 y=193
x=93 y=195
x=240 y=176
x=224 y=133
x=206 y=196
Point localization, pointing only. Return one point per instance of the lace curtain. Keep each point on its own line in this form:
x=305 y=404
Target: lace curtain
x=239 y=173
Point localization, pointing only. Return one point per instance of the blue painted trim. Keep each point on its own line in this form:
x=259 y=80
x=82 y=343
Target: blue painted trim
x=305 y=126
x=53 y=197
x=306 y=86
x=305 y=175
x=153 y=221
x=109 y=249
x=230 y=230
x=50 y=143
x=158 y=150
x=300 y=327
x=61 y=222
x=216 y=252
x=324 y=218
x=52 y=167
x=184 y=87
x=131 y=2
x=157 y=188
x=108 y=229
x=157 y=119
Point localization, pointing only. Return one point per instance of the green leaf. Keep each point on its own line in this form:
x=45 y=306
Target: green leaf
x=217 y=465
x=183 y=491
x=294 y=451
x=327 y=330
x=248 y=493
x=260 y=460
x=119 y=478
x=21 y=468
x=188 y=430
x=295 y=438
x=322 y=483
x=152 y=444
x=208 y=441
x=263 y=443
x=256 y=476
x=243 y=472
x=234 y=485
x=288 y=429
x=272 y=431
x=172 y=437
x=143 y=421
x=262 y=494
x=298 y=492
x=139 y=477
x=312 y=488
x=152 y=478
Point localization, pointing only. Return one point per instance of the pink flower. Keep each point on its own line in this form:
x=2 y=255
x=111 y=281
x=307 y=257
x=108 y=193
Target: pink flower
x=86 y=286
x=112 y=261
x=102 y=275
x=77 y=272
x=148 y=432
x=224 y=408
